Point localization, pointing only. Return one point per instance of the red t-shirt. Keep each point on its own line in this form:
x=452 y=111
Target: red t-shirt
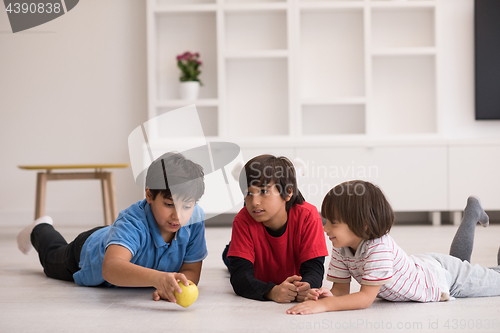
x=276 y=258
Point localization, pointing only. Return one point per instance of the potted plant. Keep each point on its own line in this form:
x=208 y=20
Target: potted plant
x=189 y=64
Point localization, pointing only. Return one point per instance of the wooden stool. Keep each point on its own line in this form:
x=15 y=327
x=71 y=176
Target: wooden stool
x=107 y=184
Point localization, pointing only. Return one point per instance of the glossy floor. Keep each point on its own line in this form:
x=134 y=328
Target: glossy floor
x=30 y=302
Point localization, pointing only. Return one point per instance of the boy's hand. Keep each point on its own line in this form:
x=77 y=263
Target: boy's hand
x=307 y=307
x=286 y=291
x=167 y=284
x=315 y=294
x=302 y=290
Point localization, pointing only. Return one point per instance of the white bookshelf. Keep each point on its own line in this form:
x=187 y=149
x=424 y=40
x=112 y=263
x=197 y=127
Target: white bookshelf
x=299 y=68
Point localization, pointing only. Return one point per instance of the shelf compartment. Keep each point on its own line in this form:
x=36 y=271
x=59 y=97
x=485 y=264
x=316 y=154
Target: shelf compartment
x=258 y=105
x=331 y=58
x=402 y=28
x=208 y=117
x=249 y=31
x=404 y=95
x=333 y=119
x=198 y=34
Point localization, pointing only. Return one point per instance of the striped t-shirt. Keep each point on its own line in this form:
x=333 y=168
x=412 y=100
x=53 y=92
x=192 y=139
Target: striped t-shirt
x=381 y=261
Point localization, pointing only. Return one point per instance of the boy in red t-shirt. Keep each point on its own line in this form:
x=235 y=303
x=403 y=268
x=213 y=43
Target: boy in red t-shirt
x=277 y=250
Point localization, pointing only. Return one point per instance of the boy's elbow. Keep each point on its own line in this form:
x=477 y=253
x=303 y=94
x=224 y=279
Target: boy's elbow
x=367 y=295
x=105 y=272
x=238 y=288
x=365 y=305
x=234 y=285
x=367 y=302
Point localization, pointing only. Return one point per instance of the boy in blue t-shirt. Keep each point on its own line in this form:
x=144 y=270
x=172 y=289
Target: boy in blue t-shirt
x=156 y=242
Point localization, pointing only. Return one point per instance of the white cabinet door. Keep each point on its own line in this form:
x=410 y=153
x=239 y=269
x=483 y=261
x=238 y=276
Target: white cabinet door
x=475 y=170
x=413 y=178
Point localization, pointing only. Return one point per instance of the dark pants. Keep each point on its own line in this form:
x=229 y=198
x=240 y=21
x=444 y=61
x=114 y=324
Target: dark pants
x=59 y=259
x=225 y=259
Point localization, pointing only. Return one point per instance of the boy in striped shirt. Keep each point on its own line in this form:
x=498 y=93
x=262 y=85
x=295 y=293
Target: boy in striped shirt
x=359 y=218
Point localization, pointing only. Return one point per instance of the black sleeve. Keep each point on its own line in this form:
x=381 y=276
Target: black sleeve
x=312 y=271
x=244 y=282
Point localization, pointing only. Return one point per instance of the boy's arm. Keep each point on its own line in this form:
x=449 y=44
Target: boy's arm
x=341 y=289
x=118 y=270
x=338 y=289
x=247 y=285
x=244 y=282
x=192 y=271
x=312 y=272
x=360 y=300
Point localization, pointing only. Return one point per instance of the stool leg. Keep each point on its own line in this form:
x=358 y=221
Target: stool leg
x=112 y=197
x=105 y=198
x=41 y=185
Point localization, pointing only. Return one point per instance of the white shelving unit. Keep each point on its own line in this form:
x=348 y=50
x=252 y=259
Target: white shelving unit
x=299 y=68
x=352 y=79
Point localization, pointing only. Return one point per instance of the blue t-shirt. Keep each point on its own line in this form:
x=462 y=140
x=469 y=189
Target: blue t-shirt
x=136 y=229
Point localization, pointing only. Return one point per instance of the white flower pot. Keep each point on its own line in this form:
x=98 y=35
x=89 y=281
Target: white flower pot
x=189 y=90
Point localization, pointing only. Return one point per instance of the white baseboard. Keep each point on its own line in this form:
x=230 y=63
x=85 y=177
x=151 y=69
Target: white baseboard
x=62 y=218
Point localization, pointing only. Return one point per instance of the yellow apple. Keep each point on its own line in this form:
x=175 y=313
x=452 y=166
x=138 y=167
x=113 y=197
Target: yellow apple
x=188 y=296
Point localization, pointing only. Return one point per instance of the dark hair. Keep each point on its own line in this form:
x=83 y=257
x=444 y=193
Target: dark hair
x=266 y=169
x=172 y=173
x=362 y=206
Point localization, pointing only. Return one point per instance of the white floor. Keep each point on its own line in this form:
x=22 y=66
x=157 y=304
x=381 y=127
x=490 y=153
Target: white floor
x=30 y=302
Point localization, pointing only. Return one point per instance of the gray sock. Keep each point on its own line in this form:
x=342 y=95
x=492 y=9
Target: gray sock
x=463 y=242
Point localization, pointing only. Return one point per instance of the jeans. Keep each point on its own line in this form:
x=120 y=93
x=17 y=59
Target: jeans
x=59 y=259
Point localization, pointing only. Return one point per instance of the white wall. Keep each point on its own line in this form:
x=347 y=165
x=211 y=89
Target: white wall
x=71 y=91
x=455 y=19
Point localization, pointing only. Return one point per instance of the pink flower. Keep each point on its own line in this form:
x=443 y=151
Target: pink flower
x=189 y=65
